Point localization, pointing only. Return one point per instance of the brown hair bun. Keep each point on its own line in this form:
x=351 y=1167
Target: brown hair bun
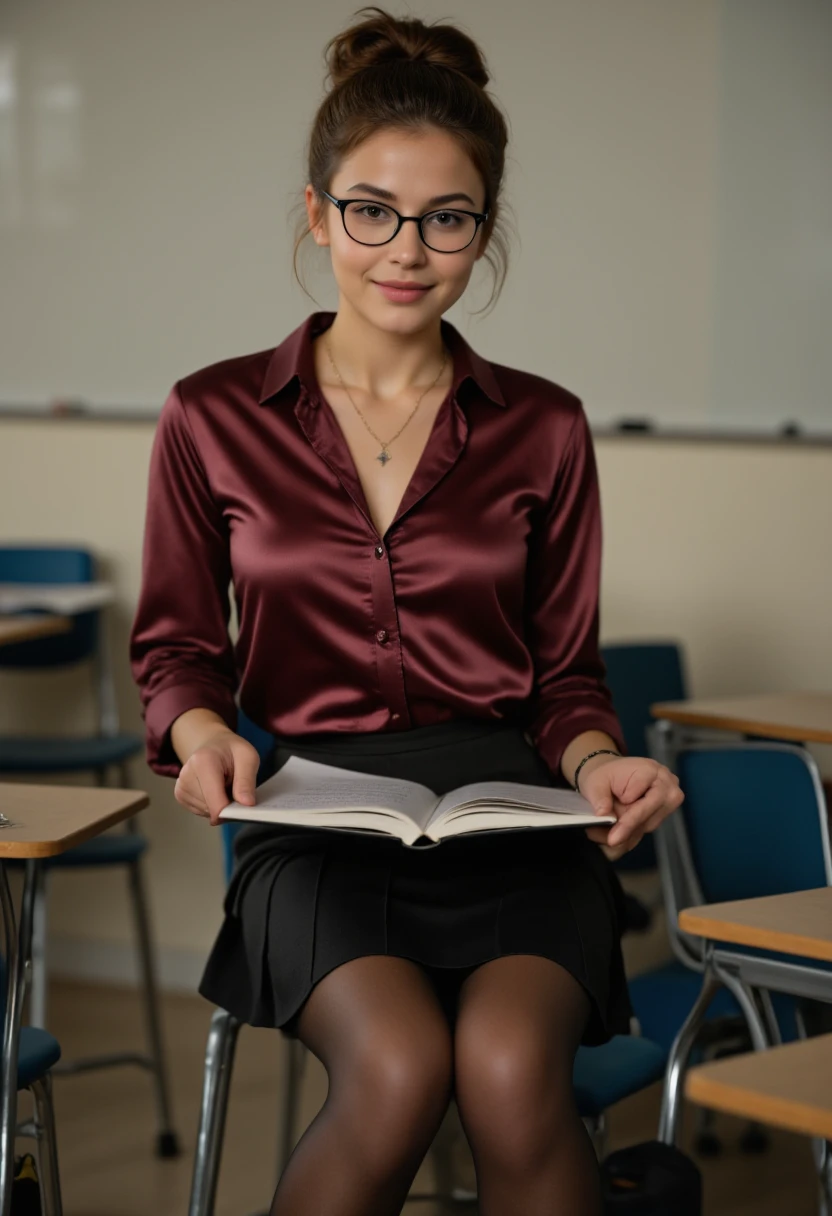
x=383 y=39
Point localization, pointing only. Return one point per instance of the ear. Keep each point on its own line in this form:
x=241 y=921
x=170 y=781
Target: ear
x=315 y=216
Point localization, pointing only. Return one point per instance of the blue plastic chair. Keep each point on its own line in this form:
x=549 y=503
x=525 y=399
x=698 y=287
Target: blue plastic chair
x=753 y=824
x=85 y=642
x=638 y=675
x=38 y=1051
x=602 y=1075
x=109 y=748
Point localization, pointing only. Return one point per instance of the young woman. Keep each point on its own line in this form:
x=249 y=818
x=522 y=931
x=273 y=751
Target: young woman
x=413 y=537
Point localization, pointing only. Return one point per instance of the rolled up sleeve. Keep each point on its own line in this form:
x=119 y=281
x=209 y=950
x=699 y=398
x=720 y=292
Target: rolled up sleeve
x=180 y=651
x=564 y=572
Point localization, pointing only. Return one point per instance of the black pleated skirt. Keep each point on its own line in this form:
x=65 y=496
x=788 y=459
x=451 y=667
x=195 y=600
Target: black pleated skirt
x=301 y=903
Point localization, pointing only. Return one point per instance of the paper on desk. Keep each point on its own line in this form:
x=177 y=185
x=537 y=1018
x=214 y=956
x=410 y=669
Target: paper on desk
x=67 y=599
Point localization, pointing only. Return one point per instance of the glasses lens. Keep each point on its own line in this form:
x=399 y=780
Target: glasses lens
x=448 y=231
x=370 y=223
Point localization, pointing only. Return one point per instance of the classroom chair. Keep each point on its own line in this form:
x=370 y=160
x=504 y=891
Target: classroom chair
x=638 y=675
x=38 y=1052
x=602 y=1075
x=108 y=748
x=753 y=823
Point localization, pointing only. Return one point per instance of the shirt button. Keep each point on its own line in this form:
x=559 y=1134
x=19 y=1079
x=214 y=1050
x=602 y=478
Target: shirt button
x=379 y=550
x=395 y=716
x=381 y=636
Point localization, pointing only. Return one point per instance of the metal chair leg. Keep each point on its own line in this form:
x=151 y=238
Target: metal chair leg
x=744 y=996
x=678 y=1058
x=219 y=1060
x=50 y=1183
x=597 y=1131
x=773 y=1031
x=39 y=974
x=167 y=1144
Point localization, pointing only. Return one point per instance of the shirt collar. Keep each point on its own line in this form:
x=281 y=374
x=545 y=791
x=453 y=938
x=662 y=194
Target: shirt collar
x=294 y=360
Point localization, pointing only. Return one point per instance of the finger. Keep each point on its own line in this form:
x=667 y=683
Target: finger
x=211 y=781
x=656 y=820
x=195 y=805
x=614 y=854
x=637 y=814
x=246 y=764
x=187 y=795
x=598 y=835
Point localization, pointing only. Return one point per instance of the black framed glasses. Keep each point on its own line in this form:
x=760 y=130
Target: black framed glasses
x=369 y=222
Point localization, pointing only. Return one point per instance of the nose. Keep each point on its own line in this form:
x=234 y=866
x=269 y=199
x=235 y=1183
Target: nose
x=407 y=248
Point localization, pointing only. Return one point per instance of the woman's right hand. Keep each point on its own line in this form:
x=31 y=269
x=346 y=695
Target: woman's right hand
x=221 y=763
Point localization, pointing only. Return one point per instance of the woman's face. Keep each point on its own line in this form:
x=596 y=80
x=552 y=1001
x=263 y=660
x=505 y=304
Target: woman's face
x=408 y=171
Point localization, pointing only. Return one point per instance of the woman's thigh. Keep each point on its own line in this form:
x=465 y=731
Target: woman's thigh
x=377 y=1026
x=520 y=1020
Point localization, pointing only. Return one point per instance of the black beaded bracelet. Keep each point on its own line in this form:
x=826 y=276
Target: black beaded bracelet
x=602 y=751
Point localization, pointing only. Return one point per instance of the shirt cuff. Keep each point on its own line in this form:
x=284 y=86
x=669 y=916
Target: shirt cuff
x=167 y=705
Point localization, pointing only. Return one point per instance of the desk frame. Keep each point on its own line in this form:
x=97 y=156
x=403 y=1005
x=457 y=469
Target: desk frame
x=744 y=975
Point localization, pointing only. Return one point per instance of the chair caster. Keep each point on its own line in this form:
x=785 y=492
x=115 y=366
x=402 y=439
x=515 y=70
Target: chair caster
x=167 y=1145
x=754 y=1141
x=706 y=1144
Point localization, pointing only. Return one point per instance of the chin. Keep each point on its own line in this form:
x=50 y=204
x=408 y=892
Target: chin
x=405 y=318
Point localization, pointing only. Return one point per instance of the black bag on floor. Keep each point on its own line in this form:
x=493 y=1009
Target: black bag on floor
x=25 y=1188
x=651 y=1179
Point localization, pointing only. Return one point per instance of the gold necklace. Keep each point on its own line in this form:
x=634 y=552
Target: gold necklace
x=384 y=455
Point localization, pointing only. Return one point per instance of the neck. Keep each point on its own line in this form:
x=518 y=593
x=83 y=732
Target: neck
x=384 y=365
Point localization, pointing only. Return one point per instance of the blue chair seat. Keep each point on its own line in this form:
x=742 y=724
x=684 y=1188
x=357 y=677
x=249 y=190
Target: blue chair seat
x=118 y=849
x=663 y=998
x=31 y=754
x=37 y=1053
x=605 y=1075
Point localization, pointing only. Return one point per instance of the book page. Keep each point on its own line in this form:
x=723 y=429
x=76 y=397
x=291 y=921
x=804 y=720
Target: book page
x=511 y=796
x=310 y=789
x=500 y=819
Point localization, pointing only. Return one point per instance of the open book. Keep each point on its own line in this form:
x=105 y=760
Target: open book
x=308 y=794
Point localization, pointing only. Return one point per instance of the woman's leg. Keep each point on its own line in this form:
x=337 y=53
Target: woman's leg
x=377 y=1027
x=519 y=1024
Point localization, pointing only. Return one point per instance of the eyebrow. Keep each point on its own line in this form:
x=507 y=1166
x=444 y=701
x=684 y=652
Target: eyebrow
x=433 y=202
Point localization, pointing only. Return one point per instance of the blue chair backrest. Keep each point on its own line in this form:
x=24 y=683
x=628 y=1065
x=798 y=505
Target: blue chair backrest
x=755 y=820
x=51 y=564
x=638 y=675
x=264 y=742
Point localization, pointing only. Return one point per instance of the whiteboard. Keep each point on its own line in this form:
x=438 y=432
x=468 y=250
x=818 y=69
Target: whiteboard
x=669 y=178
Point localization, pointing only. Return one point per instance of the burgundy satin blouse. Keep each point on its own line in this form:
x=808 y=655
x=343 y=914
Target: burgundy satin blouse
x=481 y=600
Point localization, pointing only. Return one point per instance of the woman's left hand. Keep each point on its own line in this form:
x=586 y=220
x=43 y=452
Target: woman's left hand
x=638 y=791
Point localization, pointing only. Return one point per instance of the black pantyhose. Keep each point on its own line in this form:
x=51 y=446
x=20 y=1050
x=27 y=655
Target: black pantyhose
x=519 y=1023
x=393 y=1063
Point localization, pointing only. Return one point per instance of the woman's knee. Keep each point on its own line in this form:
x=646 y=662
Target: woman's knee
x=514 y=1093
x=393 y=1093
x=406 y=1068
x=379 y=1031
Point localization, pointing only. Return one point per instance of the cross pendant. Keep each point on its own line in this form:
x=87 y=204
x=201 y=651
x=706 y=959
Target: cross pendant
x=383 y=457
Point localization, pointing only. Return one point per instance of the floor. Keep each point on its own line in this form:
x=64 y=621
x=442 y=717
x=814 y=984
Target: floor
x=106 y=1123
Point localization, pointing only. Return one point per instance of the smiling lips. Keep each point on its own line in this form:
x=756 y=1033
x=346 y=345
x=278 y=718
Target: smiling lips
x=400 y=292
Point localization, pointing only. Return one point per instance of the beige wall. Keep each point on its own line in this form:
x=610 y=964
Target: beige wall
x=148 y=162
x=723 y=547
